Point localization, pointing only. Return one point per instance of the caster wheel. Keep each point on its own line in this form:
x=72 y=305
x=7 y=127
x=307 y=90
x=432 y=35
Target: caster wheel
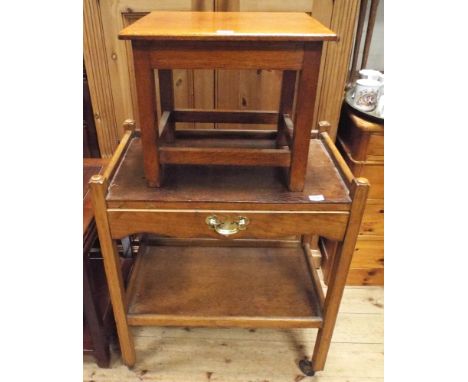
x=306 y=367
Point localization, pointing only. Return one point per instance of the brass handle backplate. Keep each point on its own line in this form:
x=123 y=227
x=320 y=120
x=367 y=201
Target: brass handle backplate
x=227 y=227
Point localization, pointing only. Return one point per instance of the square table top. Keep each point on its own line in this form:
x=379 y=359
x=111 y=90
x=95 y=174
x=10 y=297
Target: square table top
x=228 y=26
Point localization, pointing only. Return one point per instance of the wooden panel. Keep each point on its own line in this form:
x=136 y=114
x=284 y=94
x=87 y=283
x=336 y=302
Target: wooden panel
x=222 y=26
x=259 y=90
x=193 y=286
x=367 y=266
x=368 y=254
x=191 y=223
x=248 y=90
x=183 y=84
x=373 y=171
x=322 y=10
x=225 y=56
x=362 y=139
x=227 y=93
x=100 y=86
x=203 y=93
x=90 y=140
x=272 y=5
x=336 y=64
x=365 y=276
x=253 y=89
x=117 y=55
x=264 y=5
x=375 y=175
x=373 y=219
x=351 y=139
x=375 y=149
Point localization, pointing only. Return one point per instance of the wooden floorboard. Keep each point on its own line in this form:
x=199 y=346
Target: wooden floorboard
x=257 y=355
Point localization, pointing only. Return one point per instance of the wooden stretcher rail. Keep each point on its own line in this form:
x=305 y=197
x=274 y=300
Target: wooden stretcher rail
x=225 y=156
x=121 y=148
x=337 y=159
x=224 y=321
x=225 y=116
x=226 y=133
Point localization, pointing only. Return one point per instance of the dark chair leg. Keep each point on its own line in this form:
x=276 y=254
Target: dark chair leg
x=94 y=319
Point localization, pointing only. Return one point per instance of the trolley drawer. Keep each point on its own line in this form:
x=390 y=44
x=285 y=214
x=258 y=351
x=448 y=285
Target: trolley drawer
x=228 y=224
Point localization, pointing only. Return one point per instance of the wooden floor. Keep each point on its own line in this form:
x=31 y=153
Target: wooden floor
x=257 y=355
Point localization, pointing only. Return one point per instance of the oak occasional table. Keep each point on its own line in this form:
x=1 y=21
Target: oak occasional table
x=290 y=42
x=217 y=260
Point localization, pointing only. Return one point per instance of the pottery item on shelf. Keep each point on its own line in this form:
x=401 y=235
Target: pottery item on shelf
x=370 y=74
x=366 y=94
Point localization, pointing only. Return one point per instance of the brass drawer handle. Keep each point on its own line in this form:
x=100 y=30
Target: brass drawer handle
x=227 y=227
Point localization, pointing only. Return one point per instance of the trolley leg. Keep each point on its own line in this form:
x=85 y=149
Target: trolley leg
x=98 y=186
x=359 y=189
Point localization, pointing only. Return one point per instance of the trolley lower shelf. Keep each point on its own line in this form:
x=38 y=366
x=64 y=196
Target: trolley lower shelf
x=223 y=287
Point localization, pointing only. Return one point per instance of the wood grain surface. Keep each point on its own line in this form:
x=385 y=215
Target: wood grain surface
x=361 y=142
x=224 y=54
x=240 y=355
x=242 y=187
x=306 y=93
x=257 y=26
x=191 y=223
x=224 y=286
x=98 y=185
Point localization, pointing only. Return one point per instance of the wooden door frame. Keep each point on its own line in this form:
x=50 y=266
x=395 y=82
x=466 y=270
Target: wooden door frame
x=112 y=106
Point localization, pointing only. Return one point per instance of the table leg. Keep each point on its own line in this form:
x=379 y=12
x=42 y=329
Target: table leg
x=166 y=98
x=339 y=273
x=306 y=94
x=288 y=87
x=146 y=93
x=98 y=186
